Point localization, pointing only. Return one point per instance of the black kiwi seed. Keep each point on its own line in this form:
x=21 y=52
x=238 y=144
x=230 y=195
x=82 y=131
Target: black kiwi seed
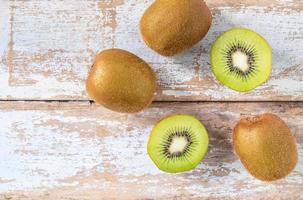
x=177 y=132
x=248 y=50
x=241 y=59
x=178 y=143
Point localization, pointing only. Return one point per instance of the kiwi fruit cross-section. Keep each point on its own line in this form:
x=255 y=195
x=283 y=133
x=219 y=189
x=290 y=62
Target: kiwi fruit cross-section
x=266 y=146
x=172 y=26
x=178 y=143
x=241 y=59
x=121 y=81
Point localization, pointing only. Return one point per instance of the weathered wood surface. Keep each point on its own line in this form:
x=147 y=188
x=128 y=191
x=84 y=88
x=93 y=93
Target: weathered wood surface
x=81 y=151
x=46 y=48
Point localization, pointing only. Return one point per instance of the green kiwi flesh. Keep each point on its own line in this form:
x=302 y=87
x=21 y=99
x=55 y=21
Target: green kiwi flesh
x=241 y=59
x=178 y=143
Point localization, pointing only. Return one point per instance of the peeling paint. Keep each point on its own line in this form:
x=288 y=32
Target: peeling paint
x=54 y=153
x=54 y=44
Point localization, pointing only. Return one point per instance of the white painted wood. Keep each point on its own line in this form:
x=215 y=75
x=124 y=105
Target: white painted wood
x=79 y=151
x=47 y=48
x=82 y=151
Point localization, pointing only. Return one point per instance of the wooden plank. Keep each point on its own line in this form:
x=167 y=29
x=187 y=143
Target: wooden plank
x=47 y=48
x=82 y=151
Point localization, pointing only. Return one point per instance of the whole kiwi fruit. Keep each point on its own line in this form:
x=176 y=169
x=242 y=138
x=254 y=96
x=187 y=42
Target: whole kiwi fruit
x=121 y=81
x=172 y=26
x=178 y=143
x=265 y=146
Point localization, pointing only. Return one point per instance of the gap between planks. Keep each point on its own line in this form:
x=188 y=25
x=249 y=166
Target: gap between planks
x=38 y=51
x=157 y=101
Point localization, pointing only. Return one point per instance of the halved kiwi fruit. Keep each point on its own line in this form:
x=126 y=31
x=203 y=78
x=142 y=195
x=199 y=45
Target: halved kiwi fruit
x=178 y=143
x=121 y=81
x=172 y=26
x=241 y=59
x=266 y=146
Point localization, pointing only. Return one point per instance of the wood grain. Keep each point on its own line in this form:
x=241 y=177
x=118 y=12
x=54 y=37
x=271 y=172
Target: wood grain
x=75 y=150
x=81 y=151
x=47 y=48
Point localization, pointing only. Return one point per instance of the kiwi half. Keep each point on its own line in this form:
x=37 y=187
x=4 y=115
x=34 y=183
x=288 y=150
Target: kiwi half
x=172 y=26
x=266 y=146
x=121 y=81
x=241 y=59
x=178 y=143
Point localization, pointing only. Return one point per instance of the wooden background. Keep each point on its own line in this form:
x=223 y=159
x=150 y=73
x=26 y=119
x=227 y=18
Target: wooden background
x=56 y=144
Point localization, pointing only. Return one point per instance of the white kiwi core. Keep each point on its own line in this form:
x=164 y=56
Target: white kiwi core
x=178 y=144
x=240 y=61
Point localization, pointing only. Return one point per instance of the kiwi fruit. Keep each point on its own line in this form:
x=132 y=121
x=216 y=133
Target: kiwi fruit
x=172 y=26
x=121 y=81
x=265 y=146
x=178 y=143
x=241 y=59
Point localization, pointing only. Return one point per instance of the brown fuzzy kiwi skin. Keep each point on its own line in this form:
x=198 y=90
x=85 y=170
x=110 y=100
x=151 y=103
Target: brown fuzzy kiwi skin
x=172 y=26
x=121 y=81
x=265 y=146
